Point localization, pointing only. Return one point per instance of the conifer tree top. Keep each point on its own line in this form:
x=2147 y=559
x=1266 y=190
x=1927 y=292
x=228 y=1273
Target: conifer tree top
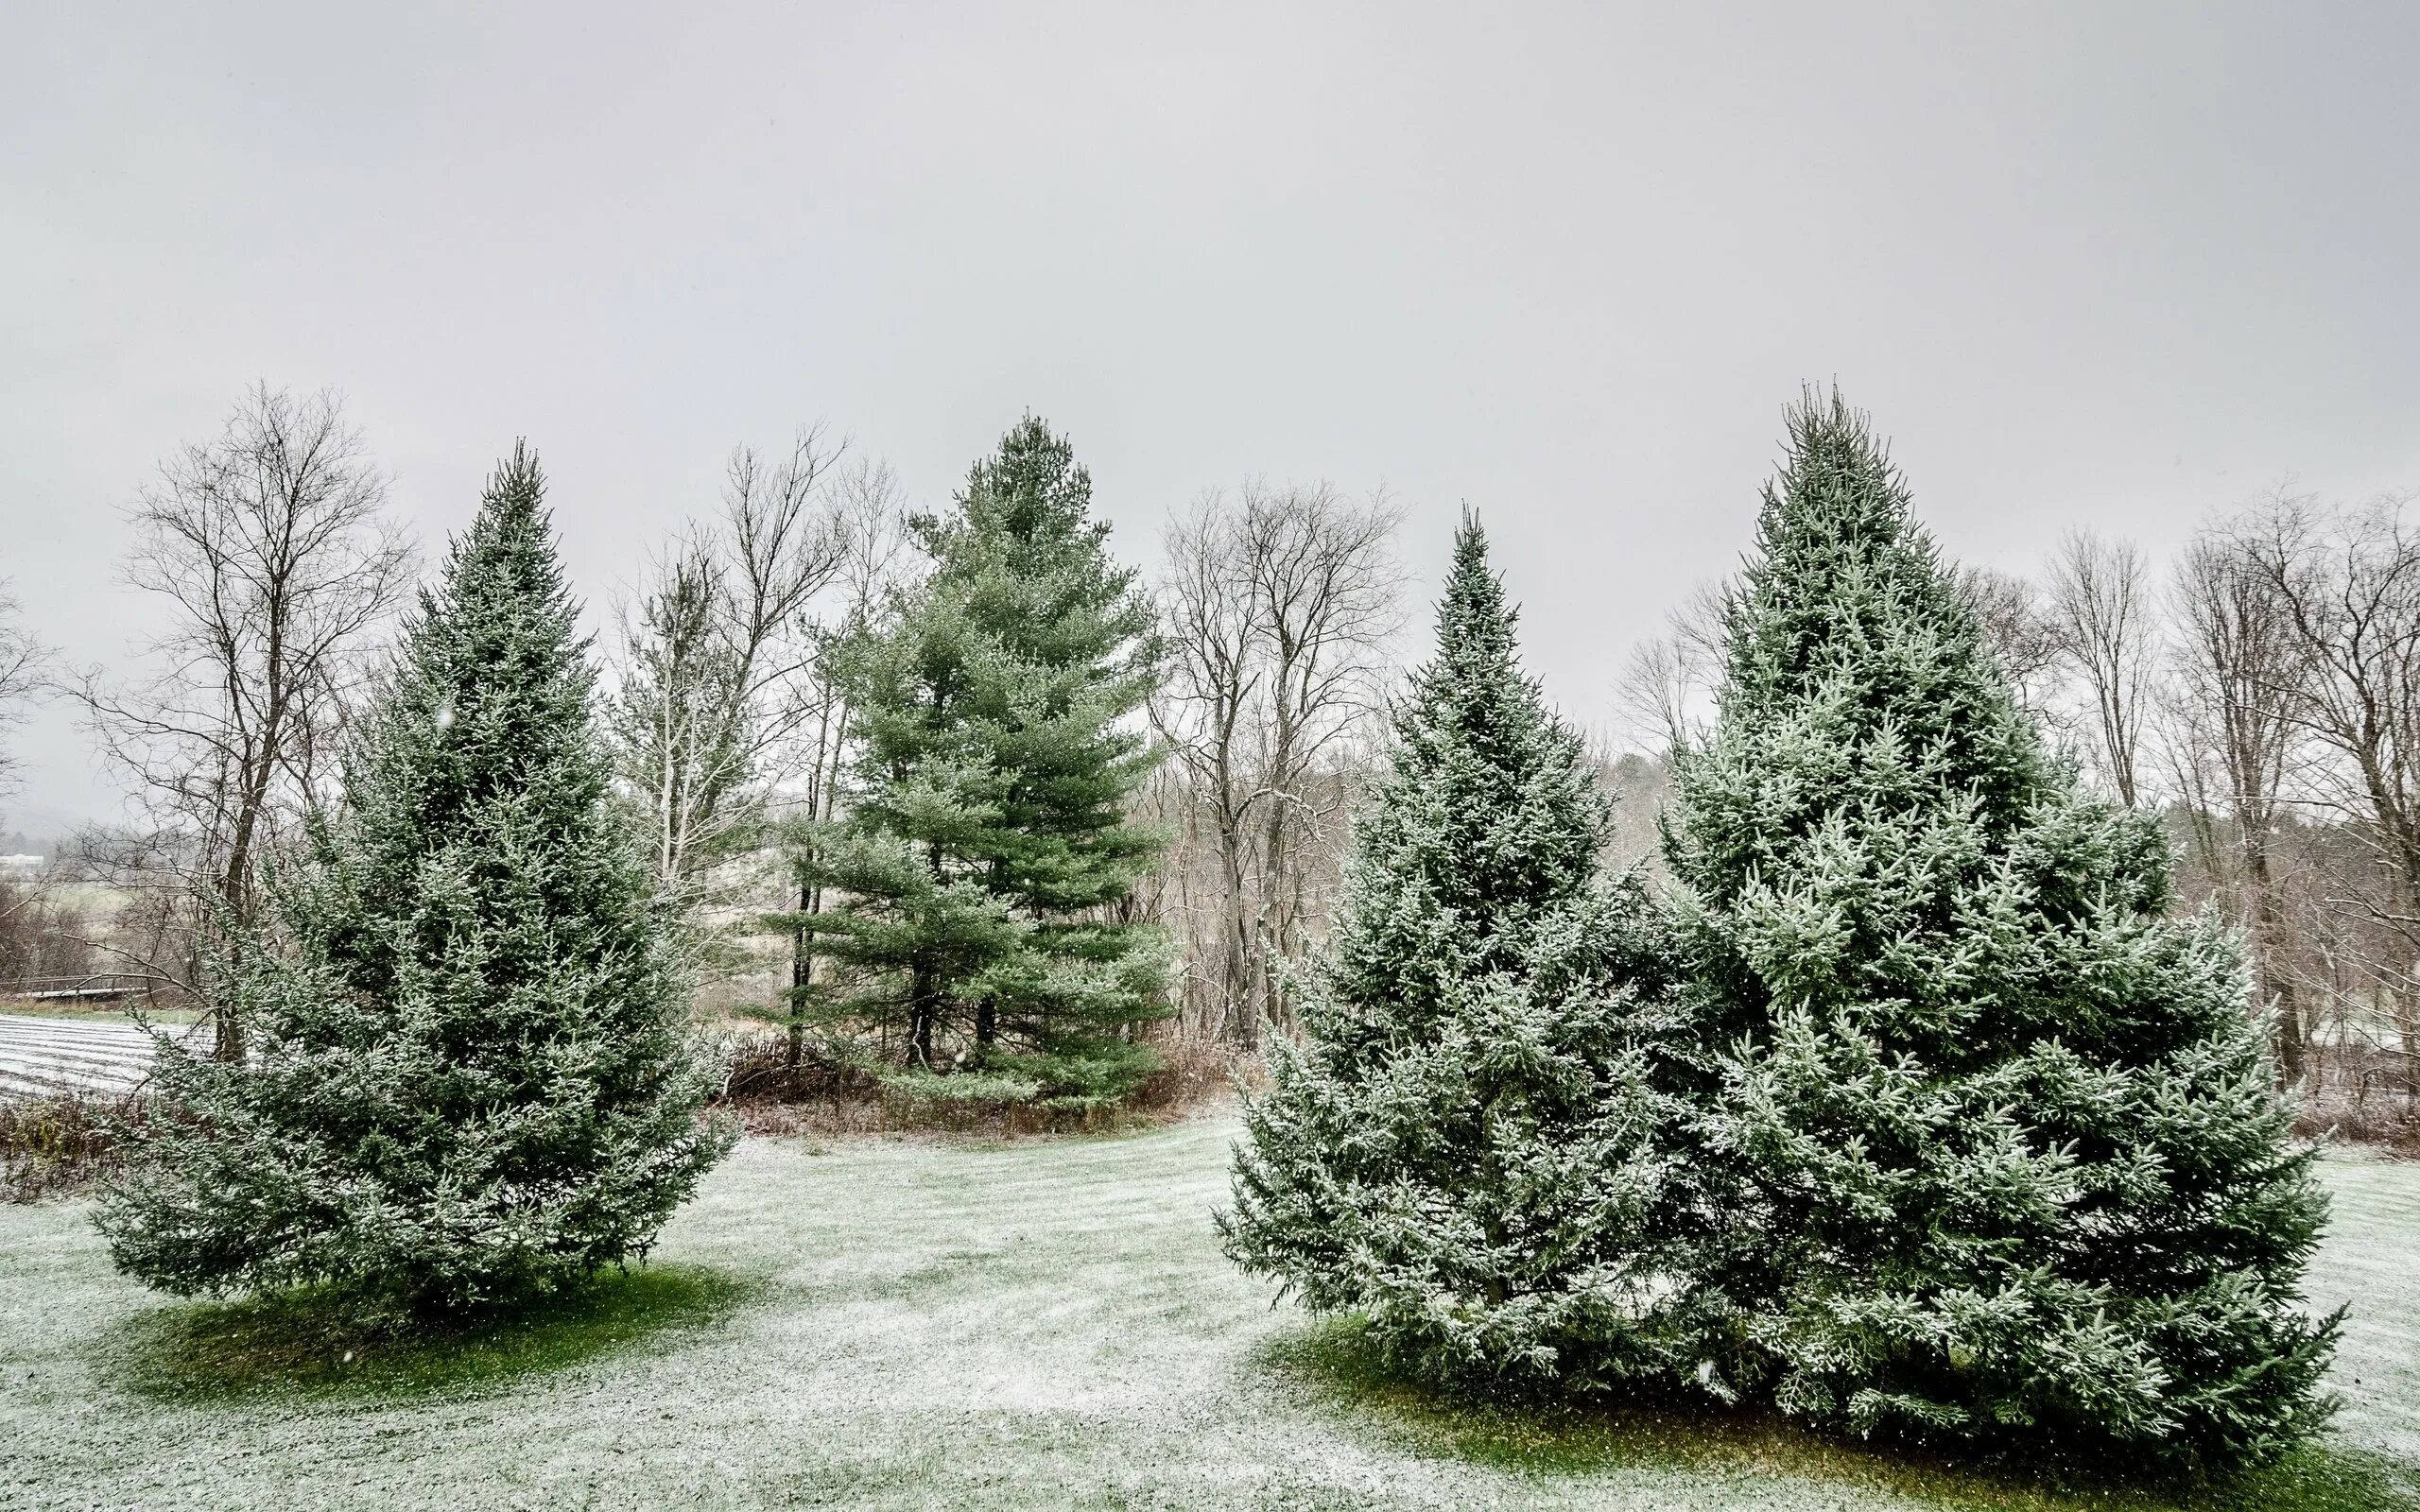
x=1841 y=562
x=1031 y=488
x=1489 y=814
x=1848 y=630
x=1477 y=647
x=494 y=681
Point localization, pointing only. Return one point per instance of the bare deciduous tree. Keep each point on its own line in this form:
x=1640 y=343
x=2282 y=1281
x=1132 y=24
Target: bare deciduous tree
x=23 y=921
x=714 y=698
x=1668 y=687
x=22 y=661
x=2104 y=628
x=2018 y=630
x=2347 y=586
x=1277 y=606
x=870 y=520
x=2231 y=739
x=270 y=547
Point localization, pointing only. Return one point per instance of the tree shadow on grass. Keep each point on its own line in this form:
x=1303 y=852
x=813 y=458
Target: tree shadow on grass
x=309 y=1344
x=1337 y=1363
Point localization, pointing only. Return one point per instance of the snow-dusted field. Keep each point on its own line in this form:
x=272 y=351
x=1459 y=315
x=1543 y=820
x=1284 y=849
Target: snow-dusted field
x=106 y=1054
x=899 y=1325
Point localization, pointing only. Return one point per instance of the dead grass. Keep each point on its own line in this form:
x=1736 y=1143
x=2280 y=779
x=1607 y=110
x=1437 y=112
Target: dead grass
x=821 y=1095
x=2386 y=1123
x=56 y=1145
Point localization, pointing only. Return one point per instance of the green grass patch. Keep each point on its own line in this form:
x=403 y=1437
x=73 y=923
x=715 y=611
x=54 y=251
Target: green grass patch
x=311 y=1344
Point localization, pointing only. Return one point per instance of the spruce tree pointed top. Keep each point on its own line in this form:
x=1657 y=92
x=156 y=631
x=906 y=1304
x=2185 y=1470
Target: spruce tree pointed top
x=1847 y=631
x=470 y=1080
x=1490 y=811
x=1840 y=565
x=1992 y=1129
x=1478 y=649
x=1837 y=486
x=503 y=590
x=494 y=683
x=512 y=533
x=1460 y=1147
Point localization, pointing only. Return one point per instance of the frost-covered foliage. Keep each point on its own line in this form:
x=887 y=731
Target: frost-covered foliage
x=986 y=858
x=1463 y=1148
x=469 y=1079
x=1998 y=1140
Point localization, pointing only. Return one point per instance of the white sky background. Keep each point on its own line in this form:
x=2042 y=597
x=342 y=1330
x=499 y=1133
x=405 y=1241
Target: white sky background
x=2105 y=265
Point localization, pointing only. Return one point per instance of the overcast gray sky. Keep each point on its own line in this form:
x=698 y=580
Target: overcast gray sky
x=2104 y=264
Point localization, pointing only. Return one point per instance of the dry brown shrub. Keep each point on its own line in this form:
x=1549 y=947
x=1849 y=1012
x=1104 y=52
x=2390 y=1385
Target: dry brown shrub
x=771 y=1092
x=58 y=1145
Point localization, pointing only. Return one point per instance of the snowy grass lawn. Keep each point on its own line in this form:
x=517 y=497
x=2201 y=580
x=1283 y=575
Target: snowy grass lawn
x=896 y=1325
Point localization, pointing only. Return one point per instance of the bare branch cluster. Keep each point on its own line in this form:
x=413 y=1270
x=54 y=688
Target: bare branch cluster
x=2102 y=633
x=1665 y=691
x=1279 y=605
x=23 y=669
x=722 y=718
x=715 y=652
x=270 y=550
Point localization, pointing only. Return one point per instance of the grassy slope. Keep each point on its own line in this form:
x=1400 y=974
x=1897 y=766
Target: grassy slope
x=898 y=1325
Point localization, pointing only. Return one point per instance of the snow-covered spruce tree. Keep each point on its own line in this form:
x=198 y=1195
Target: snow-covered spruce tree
x=468 y=1080
x=1463 y=1148
x=986 y=850
x=2003 y=1158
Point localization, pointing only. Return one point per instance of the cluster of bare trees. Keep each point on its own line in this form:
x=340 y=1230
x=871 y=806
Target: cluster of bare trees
x=1279 y=605
x=2264 y=702
x=725 y=722
x=717 y=652
x=21 y=673
x=278 y=570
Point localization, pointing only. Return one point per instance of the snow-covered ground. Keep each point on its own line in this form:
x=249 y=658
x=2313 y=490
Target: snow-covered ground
x=893 y=1324
x=86 y=1053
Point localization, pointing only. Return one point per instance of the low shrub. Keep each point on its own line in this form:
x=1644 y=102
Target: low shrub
x=829 y=1084
x=57 y=1145
x=2387 y=1122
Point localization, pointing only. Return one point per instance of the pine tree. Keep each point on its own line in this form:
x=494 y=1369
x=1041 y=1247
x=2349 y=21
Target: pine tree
x=1999 y=1145
x=986 y=854
x=469 y=1080
x=1465 y=1148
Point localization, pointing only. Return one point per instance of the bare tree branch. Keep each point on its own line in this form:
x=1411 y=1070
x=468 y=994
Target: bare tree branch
x=2102 y=628
x=270 y=548
x=24 y=669
x=1278 y=608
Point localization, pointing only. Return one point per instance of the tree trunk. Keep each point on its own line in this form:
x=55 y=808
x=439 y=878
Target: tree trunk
x=1243 y=1019
x=2276 y=985
x=802 y=976
x=924 y=1006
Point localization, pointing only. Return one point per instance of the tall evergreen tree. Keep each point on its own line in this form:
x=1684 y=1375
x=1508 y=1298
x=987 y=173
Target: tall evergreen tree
x=1465 y=1148
x=468 y=1079
x=986 y=854
x=2000 y=1147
